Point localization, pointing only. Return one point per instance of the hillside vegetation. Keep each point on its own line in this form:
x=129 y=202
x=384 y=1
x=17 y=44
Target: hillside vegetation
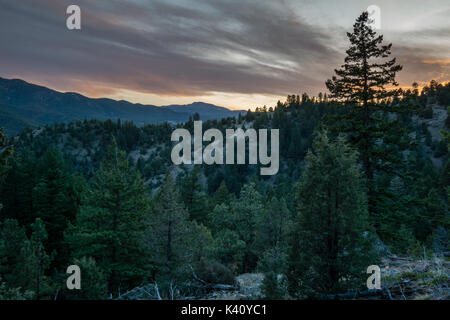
x=363 y=180
x=71 y=154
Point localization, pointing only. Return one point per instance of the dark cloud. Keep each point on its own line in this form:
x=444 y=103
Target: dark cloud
x=421 y=65
x=175 y=47
x=160 y=47
x=424 y=53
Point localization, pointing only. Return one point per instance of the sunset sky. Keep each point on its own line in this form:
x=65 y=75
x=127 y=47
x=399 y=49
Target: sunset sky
x=238 y=54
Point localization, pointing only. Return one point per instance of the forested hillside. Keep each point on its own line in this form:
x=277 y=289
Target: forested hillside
x=364 y=176
x=229 y=220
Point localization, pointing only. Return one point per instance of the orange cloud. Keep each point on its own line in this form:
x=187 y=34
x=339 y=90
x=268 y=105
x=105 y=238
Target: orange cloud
x=442 y=62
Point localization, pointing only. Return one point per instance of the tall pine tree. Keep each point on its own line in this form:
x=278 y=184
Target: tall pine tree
x=55 y=201
x=330 y=244
x=361 y=85
x=110 y=223
x=167 y=237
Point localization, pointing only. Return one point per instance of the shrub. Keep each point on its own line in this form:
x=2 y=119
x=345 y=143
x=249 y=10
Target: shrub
x=214 y=272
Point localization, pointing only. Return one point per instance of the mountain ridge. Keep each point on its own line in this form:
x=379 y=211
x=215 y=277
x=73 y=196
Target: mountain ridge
x=24 y=104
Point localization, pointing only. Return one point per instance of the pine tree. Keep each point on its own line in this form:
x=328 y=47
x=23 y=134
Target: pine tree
x=229 y=249
x=194 y=197
x=36 y=262
x=94 y=283
x=222 y=195
x=200 y=208
x=168 y=233
x=55 y=201
x=43 y=188
x=12 y=241
x=190 y=185
x=221 y=218
x=330 y=245
x=272 y=225
x=201 y=240
x=361 y=79
x=5 y=153
x=271 y=287
x=7 y=293
x=245 y=213
x=234 y=228
x=273 y=265
x=110 y=223
x=17 y=189
x=361 y=84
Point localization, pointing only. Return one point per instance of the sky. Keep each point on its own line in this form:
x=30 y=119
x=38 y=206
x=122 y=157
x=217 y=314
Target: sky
x=238 y=54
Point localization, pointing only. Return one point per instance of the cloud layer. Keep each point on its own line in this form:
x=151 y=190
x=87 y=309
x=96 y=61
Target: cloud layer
x=181 y=48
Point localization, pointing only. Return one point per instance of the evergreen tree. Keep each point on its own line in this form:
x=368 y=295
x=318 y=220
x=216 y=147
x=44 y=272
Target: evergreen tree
x=222 y=195
x=190 y=185
x=17 y=190
x=221 y=218
x=168 y=233
x=234 y=229
x=229 y=249
x=361 y=83
x=330 y=245
x=94 y=283
x=245 y=213
x=271 y=287
x=110 y=223
x=200 y=208
x=55 y=201
x=434 y=215
x=36 y=262
x=361 y=79
x=5 y=153
x=7 y=293
x=194 y=197
x=272 y=225
x=12 y=241
x=201 y=240
x=273 y=264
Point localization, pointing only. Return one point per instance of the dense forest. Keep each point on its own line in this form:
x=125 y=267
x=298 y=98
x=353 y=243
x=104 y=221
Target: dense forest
x=361 y=172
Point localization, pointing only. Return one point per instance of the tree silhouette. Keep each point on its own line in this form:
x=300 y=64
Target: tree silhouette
x=361 y=84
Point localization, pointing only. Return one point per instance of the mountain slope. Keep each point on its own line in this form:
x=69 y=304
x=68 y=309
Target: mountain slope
x=23 y=104
x=11 y=122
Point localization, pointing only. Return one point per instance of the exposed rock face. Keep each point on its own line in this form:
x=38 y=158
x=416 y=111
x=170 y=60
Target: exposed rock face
x=381 y=248
x=435 y=125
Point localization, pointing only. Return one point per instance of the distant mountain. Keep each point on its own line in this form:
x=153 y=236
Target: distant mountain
x=205 y=110
x=23 y=105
